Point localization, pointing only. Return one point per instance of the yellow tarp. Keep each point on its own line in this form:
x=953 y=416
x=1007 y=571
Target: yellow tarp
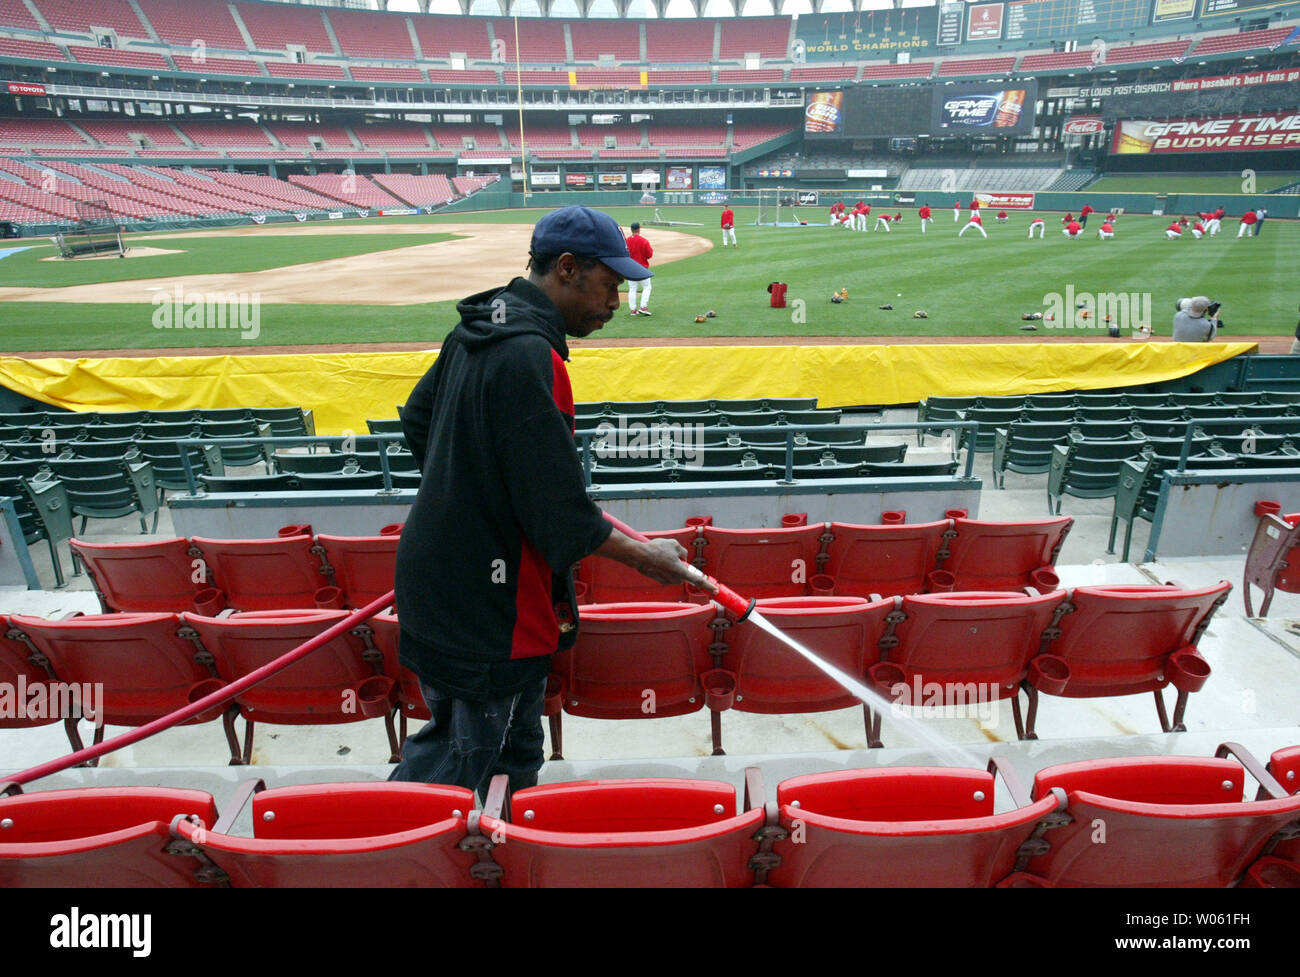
x=344 y=389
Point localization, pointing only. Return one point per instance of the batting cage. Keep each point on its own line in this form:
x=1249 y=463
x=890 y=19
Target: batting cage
x=97 y=232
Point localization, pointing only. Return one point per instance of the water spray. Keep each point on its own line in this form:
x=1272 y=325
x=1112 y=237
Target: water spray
x=744 y=609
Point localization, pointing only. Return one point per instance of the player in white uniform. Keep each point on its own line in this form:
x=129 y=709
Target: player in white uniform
x=1037 y=225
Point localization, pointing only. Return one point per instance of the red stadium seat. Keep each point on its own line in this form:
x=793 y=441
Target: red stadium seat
x=143 y=577
x=649 y=833
x=1005 y=555
x=770 y=678
x=97 y=837
x=885 y=560
x=267 y=574
x=632 y=661
x=366 y=835
x=344 y=681
x=610 y=582
x=964 y=648
x=410 y=701
x=1124 y=640
x=902 y=827
x=1273 y=560
x=1284 y=765
x=364 y=566
x=1165 y=821
x=26 y=682
x=144 y=664
x=764 y=562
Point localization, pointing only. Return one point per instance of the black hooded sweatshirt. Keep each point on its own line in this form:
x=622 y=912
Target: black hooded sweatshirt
x=502 y=514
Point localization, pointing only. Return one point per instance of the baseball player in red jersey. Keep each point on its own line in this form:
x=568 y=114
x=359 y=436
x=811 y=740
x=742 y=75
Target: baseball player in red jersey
x=1083 y=215
x=1037 y=225
x=728 y=227
x=1072 y=230
x=641 y=252
x=1198 y=229
x=1174 y=231
x=924 y=215
x=1106 y=231
x=974 y=222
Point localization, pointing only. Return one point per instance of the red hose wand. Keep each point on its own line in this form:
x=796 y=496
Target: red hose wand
x=725 y=596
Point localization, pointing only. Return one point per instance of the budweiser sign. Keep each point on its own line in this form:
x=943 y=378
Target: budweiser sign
x=22 y=88
x=1232 y=133
x=1006 y=201
x=1083 y=125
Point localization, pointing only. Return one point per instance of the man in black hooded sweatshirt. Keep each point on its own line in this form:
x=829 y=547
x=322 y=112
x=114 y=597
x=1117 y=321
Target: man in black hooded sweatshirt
x=484 y=584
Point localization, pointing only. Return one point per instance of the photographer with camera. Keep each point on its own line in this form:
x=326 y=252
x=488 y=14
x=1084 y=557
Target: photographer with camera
x=1196 y=320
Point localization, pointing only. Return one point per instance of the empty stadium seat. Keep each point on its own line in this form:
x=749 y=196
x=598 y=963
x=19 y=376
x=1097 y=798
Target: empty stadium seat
x=364 y=566
x=143 y=577
x=108 y=488
x=97 y=837
x=267 y=574
x=1124 y=640
x=346 y=680
x=374 y=835
x=764 y=675
x=886 y=560
x=1273 y=560
x=632 y=661
x=387 y=638
x=963 y=648
x=765 y=562
x=1168 y=821
x=641 y=833
x=903 y=827
x=19 y=673
x=141 y=665
x=1004 y=555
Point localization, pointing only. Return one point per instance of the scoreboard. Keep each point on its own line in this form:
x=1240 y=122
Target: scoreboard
x=886 y=111
x=1047 y=20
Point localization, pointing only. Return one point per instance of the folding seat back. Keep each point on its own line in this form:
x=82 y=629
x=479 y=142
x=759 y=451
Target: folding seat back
x=387 y=425
x=1284 y=765
x=1166 y=821
x=343 y=681
x=387 y=638
x=1090 y=414
x=764 y=562
x=898 y=827
x=1122 y=640
x=163 y=576
x=1005 y=555
x=636 y=661
x=646 y=833
x=887 y=560
x=968 y=646
x=772 y=678
x=345 y=481
x=610 y=582
x=24 y=681
x=115 y=448
x=267 y=574
x=104 y=488
x=910 y=469
x=364 y=566
x=373 y=835
x=325 y=462
x=286 y=422
x=143 y=666
x=1149 y=400
x=97 y=837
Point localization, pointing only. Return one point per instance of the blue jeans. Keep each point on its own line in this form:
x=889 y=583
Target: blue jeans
x=466 y=744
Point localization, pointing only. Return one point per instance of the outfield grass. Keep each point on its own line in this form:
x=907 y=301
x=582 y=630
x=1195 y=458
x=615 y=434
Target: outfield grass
x=968 y=286
x=1165 y=183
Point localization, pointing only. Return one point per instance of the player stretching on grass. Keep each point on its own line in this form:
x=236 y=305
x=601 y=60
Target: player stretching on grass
x=974 y=222
x=1037 y=225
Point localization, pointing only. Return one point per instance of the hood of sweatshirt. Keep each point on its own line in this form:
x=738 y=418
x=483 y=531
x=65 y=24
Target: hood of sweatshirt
x=519 y=308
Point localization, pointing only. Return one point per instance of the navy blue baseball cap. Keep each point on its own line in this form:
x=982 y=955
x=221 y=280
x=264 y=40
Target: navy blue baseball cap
x=589 y=234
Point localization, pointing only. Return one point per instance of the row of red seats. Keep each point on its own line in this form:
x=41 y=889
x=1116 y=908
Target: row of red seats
x=822 y=559
x=964 y=649
x=1169 y=821
x=960 y=649
x=294 y=570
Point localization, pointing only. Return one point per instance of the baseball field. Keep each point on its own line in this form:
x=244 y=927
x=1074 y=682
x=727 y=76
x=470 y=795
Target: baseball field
x=383 y=282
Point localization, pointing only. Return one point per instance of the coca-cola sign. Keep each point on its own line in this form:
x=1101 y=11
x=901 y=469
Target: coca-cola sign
x=1084 y=125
